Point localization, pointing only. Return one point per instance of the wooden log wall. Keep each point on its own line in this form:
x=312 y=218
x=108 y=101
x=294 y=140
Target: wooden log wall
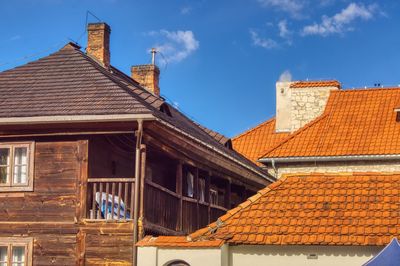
x=52 y=214
x=48 y=214
x=108 y=243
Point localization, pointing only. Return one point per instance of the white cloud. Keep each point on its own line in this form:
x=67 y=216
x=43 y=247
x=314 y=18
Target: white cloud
x=340 y=22
x=175 y=45
x=284 y=32
x=186 y=10
x=285 y=76
x=293 y=7
x=262 y=42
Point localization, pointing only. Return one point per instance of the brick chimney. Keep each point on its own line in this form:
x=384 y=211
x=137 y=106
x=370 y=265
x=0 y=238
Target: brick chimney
x=98 y=45
x=300 y=102
x=148 y=77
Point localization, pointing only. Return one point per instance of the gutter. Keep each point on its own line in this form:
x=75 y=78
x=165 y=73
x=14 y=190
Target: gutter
x=330 y=158
x=254 y=170
x=74 y=119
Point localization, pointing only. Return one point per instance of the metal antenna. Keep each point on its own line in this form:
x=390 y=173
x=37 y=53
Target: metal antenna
x=153 y=56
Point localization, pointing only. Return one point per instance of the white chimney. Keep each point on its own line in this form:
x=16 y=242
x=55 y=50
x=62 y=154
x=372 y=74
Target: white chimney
x=283 y=107
x=300 y=102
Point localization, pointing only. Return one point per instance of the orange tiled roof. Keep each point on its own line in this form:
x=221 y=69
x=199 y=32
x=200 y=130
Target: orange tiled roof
x=314 y=83
x=253 y=143
x=313 y=209
x=355 y=122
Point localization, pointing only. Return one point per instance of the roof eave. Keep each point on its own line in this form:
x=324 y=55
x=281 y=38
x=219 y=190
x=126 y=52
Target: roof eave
x=248 y=167
x=74 y=119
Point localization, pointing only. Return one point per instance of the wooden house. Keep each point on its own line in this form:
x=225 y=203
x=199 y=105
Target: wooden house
x=92 y=159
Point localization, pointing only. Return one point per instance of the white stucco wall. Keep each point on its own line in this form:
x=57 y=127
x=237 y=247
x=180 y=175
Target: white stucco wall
x=261 y=256
x=297 y=255
x=296 y=107
x=336 y=167
x=150 y=256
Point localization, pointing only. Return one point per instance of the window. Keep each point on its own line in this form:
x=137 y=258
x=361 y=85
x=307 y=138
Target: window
x=16 y=251
x=178 y=263
x=16 y=166
x=190 y=184
x=202 y=189
x=213 y=196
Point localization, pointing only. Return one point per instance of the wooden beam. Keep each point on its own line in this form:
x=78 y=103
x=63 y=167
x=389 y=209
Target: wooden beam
x=187 y=155
x=65 y=134
x=142 y=190
x=179 y=191
x=110 y=180
x=159 y=229
x=208 y=198
x=228 y=194
x=81 y=184
x=197 y=197
x=80 y=248
x=199 y=153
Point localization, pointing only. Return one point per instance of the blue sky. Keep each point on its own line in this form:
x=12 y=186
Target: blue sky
x=221 y=59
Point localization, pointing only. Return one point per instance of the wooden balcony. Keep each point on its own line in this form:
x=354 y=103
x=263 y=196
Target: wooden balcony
x=175 y=212
x=162 y=207
x=110 y=198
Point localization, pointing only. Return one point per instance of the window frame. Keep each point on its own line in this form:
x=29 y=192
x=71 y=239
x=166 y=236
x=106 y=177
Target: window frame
x=214 y=193
x=30 y=154
x=10 y=242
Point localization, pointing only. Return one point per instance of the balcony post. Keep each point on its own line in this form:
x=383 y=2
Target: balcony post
x=142 y=190
x=179 y=191
x=139 y=134
x=208 y=182
x=197 y=197
x=228 y=194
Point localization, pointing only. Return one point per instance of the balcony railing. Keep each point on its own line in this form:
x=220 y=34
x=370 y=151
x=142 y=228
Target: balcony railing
x=162 y=207
x=110 y=198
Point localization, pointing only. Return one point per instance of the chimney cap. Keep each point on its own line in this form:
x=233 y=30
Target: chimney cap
x=99 y=26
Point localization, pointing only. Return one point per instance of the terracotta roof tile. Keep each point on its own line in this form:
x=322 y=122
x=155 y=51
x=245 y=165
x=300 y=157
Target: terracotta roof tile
x=177 y=242
x=315 y=83
x=355 y=122
x=255 y=142
x=306 y=210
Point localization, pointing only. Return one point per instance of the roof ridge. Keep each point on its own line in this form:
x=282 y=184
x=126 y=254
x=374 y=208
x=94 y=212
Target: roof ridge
x=68 y=46
x=254 y=128
x=138 y=86
x=110 y=76
x=230 y=213
x=291 y=136
x=360 y=89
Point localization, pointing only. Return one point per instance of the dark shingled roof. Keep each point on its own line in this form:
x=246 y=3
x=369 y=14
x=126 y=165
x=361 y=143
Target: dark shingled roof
x=68 y=82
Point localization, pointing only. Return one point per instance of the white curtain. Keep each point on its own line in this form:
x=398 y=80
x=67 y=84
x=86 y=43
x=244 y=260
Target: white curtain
x=3 y=256
x=18 y=256
x=20 y=165
x=190 y=184
x=4 y=165
x=202 y=187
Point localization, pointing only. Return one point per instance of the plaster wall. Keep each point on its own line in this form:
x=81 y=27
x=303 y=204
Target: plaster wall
x=336 y=167
x=301 y=255
x=257 y=255
x=151 y=256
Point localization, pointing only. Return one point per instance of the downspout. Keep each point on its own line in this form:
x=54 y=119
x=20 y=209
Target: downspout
x=139 y=134
x=274 y=167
